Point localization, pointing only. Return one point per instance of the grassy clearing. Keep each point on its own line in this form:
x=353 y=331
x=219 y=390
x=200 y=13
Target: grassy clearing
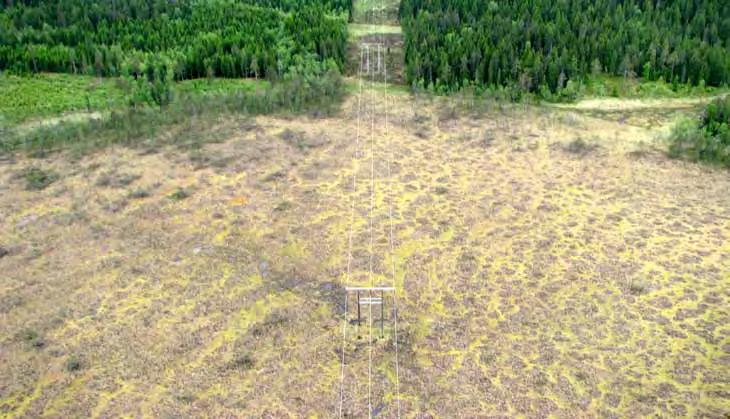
x=196 y=106
x=537 y=279
x=357 y=30
x=612 y=86
x=384 y=10
x=44 y=95
x=51 y=95
x=218 y=86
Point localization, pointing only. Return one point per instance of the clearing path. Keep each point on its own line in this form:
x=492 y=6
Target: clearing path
x=375 y=22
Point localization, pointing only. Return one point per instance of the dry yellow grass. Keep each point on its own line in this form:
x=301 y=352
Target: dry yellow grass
x=538 y=275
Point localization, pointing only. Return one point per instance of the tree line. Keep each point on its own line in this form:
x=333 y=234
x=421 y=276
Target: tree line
x=541 y=45
x=188 y=38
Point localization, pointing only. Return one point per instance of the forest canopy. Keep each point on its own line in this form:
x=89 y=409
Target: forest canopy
x=541 y=45
x=192 y=39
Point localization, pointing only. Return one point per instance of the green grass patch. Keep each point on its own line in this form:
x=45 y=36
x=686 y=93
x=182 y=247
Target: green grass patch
x=37 y=178
x=45 y=95
x=179 y=194
x=73 y=364
x=381 y=10
x=219 y=86
x=48 y=95
x=357 y=30
x=195 y=106
x=613 y=86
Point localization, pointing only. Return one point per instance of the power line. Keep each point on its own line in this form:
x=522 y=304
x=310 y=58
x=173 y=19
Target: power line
x=352 y=222
x=370 y=219
x=368 y=66
x=392 y=244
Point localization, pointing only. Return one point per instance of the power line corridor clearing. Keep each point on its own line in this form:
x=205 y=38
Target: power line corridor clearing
x=370 y=376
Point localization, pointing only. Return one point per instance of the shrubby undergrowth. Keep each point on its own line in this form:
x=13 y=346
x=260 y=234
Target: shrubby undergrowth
x=707 y=138
x=308 y=86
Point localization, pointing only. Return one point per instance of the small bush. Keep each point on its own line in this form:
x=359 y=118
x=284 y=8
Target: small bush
x=580 y=147
x=37 y=178
x=243 y=362
x=441 y=190
x=685 y=138
x=139 y=194
x=73 y=364
x=283 y=206
x=716 y=116
x=488 y=138
x=32 y=338
x=116 y=180
x=707 y=139
x=638 y=287
x=274 y=176
x=179 y=194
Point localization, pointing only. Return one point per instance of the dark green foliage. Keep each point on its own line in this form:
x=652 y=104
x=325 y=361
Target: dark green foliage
x=242 y=362
x=707 y=139
x=73 y=364
x=37 y=179
x=139 y=194
x=441 y=190
x=32 y=338
x=542 y=45
x=580 y=147
x=716 y=117
x=179 y=194
x=283 y=206
x=189 y=39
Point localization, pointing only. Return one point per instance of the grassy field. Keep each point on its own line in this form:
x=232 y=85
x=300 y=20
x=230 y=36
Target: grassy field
x=370 y=11
x=219 y=86
x=357 y=30
x=50 y=96
x=613 y=86
x=548 y=261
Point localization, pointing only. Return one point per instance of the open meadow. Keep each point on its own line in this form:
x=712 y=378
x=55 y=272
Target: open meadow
x=197 y=198
x=548 y=261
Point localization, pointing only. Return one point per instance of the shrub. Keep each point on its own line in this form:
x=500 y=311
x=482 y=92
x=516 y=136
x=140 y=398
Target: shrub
x=139 y=194
x=32 y=337
x=580 y=147
x=243 y=362
x=716 y=117
x=179 y=194
x=73 y=364
x=707 y=140
x=37 y=179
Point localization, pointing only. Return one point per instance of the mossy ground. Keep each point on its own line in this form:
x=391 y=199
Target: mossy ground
x=536 y=277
